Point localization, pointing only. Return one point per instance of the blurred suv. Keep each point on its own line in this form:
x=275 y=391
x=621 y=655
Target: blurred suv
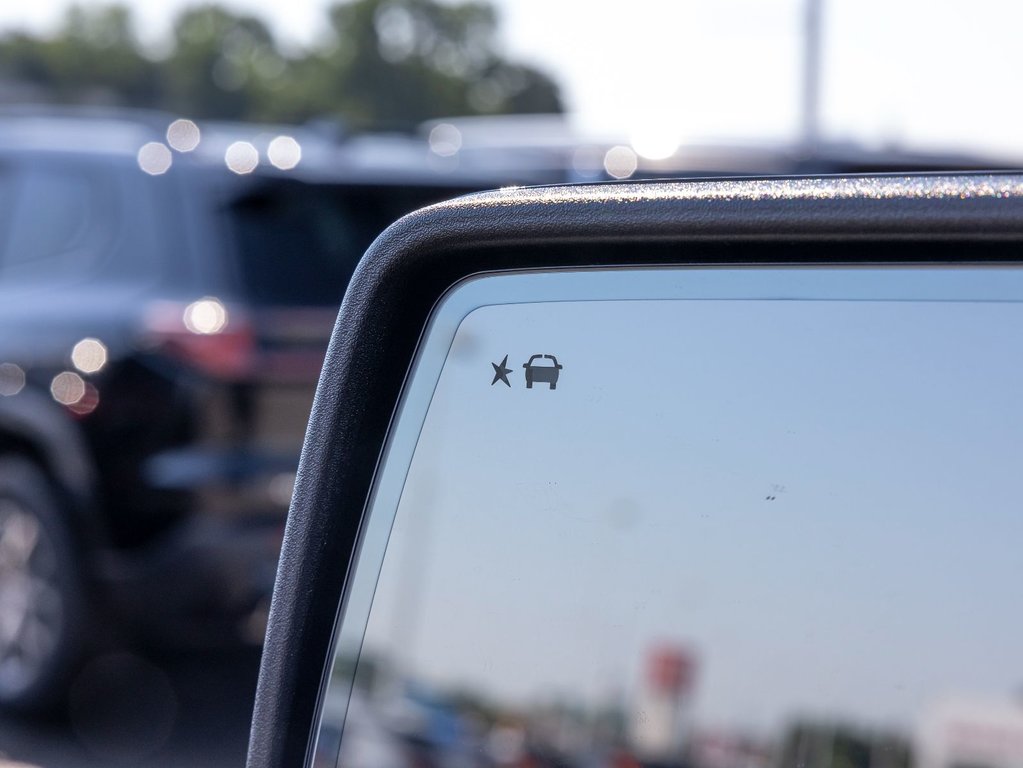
x=163 y=318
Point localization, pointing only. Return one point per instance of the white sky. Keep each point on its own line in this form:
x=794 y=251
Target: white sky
x=928 y=73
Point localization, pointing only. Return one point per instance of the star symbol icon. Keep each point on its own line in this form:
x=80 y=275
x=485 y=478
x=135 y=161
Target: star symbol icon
x=501 y=372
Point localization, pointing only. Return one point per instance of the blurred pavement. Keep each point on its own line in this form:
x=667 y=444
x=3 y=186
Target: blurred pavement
x=186 y=711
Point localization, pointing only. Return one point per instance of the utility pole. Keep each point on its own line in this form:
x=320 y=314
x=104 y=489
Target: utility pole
x=812 y=74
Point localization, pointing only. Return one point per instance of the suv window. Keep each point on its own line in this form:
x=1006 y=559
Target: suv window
x=70 y=222
x=299 y=243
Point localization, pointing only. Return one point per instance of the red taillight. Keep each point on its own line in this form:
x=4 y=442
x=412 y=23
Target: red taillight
x=204 y=334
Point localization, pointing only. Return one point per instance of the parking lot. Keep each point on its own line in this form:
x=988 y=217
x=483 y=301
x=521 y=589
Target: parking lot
x=187 y=711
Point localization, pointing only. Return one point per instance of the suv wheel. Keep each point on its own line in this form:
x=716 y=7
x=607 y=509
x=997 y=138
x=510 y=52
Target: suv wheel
x=41 y=607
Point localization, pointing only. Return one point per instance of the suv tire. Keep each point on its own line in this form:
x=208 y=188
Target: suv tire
x=42 y=611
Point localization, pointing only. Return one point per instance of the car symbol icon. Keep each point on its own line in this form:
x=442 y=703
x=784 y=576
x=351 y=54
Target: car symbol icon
x=543 y=373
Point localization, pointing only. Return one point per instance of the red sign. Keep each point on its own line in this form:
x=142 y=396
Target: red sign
x=671 y=669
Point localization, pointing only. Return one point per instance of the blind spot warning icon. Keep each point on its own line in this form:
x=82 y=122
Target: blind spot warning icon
x=542 y=372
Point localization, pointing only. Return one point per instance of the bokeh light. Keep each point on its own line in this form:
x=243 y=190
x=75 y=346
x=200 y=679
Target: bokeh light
x=620 y=162
x=588 y=161
x=655 y=141
x=445 y=140
x=242 y=157
x=284 y=152
x=205 y=316
x=155 y=158
x=88 y=402
x=89 y=355
x=67 y=388
x=183 y=135
x=12 y=379
x=282 y=485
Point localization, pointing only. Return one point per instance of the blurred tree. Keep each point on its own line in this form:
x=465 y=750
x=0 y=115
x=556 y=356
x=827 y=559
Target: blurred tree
x=219 y=63
x=399 y=61
x=95 y=57
x=386 y=63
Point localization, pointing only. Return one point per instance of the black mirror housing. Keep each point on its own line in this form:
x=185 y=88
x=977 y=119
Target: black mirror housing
x=856 y=220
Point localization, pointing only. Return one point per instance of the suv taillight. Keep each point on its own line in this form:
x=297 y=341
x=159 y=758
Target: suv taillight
x=204 y=334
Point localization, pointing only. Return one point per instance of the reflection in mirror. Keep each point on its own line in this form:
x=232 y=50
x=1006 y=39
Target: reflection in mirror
x=708 y=529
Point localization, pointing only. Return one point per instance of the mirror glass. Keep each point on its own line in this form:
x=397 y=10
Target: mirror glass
x=733 y=518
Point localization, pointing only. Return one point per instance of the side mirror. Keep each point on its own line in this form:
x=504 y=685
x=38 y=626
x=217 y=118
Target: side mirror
x=707 y=474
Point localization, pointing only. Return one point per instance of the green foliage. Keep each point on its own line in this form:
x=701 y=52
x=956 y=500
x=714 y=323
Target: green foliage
x=94 y=57
x=218 y=63
x=397 y=58
x=384 y=63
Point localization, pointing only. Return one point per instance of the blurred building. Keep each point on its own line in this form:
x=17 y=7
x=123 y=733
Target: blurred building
x=970 y=733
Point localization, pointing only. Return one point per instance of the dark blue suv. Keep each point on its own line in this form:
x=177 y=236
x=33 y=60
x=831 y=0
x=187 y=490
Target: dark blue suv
x=163 y=316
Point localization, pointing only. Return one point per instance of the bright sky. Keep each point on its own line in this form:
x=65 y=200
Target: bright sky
x=928 y=73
